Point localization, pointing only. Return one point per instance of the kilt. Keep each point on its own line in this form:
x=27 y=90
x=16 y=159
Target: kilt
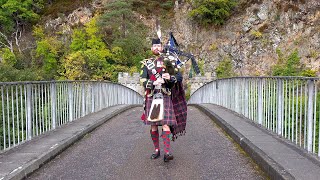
x=169 y=117
x=180 y=109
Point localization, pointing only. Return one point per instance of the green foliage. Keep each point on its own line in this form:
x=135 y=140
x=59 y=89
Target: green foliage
x=309 y=73
x=13 y=12
x=313 y=53
x=124 y=35
x=74 y=67
x=208 y=12
x=11 y=74
x=256 y=34
x=290 y=66
x=78 y=40
x=167 y=5
x=188 y=92
x=213 y=47
x=118 y=18
x=201 y=66
x=162 y=8
x=7 y=57
x=88 y=56
x=225 y=69
x=47 y=53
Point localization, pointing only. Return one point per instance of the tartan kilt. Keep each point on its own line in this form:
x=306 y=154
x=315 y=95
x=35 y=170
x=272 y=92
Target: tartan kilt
x=169 y=117
x=180 y=109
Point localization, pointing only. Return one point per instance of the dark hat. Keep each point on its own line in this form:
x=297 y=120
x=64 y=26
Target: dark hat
x=156 y=41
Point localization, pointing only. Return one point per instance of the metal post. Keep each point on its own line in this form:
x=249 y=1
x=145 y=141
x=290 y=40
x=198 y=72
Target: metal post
x=83 y=104
x=92 y=97
x=280 y=106
x=53 y=105
x=246 y=98
x=100 y=95
x=310 y=114
x=260 y=103
x=70 y=100
x=29 y=112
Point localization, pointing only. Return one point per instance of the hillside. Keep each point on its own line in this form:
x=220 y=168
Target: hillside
x=253 y=34
x=258 y=35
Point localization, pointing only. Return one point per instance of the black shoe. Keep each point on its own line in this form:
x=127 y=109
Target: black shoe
x=155 y=155
x=167 y=157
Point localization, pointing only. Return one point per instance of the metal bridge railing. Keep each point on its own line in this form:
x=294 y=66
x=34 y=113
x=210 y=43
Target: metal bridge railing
x=28 y=109
x=288 y=106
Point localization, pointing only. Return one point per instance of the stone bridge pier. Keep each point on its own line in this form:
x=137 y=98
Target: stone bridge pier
x=133 y=81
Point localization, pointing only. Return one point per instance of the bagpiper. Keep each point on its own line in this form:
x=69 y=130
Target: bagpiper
x=165 y=103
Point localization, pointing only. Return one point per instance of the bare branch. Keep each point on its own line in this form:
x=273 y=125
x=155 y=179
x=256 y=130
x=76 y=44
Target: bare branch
x=5 y=37
x=4 y=44
x=9 y=45
x=17 y=38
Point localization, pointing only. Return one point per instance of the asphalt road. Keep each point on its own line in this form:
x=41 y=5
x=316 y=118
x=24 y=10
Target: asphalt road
x=121 y=149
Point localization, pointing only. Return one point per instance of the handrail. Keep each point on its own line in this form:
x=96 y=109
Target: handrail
x=28 y=109
x=288 y=106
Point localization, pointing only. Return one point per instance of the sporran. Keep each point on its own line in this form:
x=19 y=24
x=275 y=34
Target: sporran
x=156 y=110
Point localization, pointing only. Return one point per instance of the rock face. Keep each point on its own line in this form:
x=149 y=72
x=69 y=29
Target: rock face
x=252 y=35
x=64 y=23
x=249 y=38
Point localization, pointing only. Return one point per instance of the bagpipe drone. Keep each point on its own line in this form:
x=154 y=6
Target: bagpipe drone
x=173 y=53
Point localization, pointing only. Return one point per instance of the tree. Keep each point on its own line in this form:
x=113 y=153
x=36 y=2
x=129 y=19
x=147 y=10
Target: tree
x=47 y=53
x=88 y=55
x=14 y=15
x=291 y=66
x=118 y=14
x=124 y=35
x=207 y=12
x=74 y=65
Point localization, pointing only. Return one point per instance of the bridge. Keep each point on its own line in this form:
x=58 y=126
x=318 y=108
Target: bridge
x=238 y=128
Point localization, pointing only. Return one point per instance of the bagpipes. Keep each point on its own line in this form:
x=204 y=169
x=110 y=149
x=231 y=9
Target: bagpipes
x=173 y=52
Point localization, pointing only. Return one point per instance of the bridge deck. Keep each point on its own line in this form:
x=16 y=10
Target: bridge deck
x=121 y=149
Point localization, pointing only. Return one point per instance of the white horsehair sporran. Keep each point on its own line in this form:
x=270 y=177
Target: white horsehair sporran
x=157 y=108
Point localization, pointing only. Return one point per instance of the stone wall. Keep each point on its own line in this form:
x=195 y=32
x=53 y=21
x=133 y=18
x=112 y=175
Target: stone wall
x=198 y=81
x=132 y=82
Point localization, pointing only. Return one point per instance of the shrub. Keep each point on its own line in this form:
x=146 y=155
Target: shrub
x=291 y=66
x=256 y=34
x=208 y=12
x=225 y=69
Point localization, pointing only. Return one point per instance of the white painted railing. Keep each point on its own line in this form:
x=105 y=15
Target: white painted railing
x=28 y=109
x=288 y=106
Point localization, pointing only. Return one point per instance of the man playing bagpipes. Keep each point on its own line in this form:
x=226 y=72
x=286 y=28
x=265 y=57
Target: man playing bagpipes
x=159 y=77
